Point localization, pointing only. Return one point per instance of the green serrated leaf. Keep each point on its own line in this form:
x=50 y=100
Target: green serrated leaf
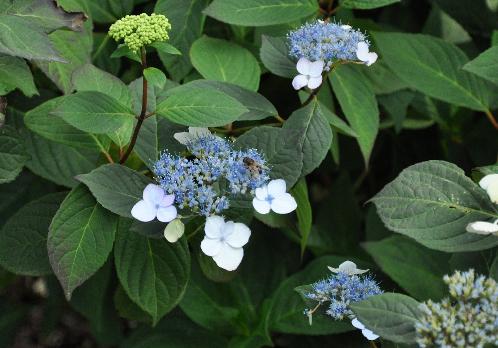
x=416 y=269
x=259 y=107
x=15 y=73
x=221 y=60
x=80 y=238
x=13 y=154
x=116 y=187
x=391 y=316
x=303 y=211
x=367 y=4
x=312 y=135
x=359 y=105
x=258 y=13
x=210 y=108
x=74 y=57
x=166 y=48
x=51 y=127
x=94 y=112
x=417 y=58
x=485 y=65
x=23 y=238
x=433 y=202
x=274 y=54
x=153 y=272
x=90 y=78
x=187 y=24
x=155 y=77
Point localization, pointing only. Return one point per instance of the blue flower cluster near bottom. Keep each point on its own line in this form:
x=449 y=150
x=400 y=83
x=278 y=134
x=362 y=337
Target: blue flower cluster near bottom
x=217 y=171
x=341 y=290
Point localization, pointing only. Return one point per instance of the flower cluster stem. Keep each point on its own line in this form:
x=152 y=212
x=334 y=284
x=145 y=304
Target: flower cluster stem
x=143 y=111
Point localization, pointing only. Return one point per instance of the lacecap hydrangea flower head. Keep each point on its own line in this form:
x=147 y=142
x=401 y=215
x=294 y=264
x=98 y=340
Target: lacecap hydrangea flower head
x=138 y=31
x=204 y=181
x=344 y=286
x=318 y=45
x=468 y=319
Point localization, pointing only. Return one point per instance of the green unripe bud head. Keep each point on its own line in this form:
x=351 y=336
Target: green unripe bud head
x=141 y=30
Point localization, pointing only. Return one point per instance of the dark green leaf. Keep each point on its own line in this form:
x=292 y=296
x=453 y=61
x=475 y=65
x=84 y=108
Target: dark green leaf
x=166 y=48
x=187 y=23
x=210 y=108
x=274 y=54
x=367 y=4
x=94 y=112
x=13 y=154
x=155 y=77
x=224 y=61
x=42 y=122
x=80 y=238
x=90 y=78
x=485 y=65
x=416 y=269
x=392 y=316
x=418 y=60
x=312 y=135
x=23 y=238
x=258 y=13
x=153 y=272
x=116 y=187
x=303 y=211
x=23 y=38
x=433 y=202
x=259 y=107
x=74 y=57
x=359 y=105
x=15 y=73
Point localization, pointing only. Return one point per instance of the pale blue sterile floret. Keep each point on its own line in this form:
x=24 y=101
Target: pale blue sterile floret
x=206 y=182
x=325 y=41
x=468 y=319
x=340 y=290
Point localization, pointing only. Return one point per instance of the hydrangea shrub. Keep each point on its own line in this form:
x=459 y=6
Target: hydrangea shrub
x=226 y=173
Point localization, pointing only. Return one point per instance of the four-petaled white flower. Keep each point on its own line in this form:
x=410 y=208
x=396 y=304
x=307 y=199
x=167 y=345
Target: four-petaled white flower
x=363 y=54
x=274 y=197
x=349 y=268
x=483 y=227
x=192 y=134
x=155 y=203
x=366 y=332
x=224 y=241
x=310 y=74
x=490 y=184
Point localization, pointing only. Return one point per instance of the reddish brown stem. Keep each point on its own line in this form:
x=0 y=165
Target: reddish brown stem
x=143 y=112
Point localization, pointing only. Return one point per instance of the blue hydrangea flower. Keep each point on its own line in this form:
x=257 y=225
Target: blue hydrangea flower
x=327 y=42
x=342 y=289
x=197 y=182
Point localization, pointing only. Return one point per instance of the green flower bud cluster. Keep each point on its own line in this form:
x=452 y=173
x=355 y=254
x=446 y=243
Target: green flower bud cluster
x=141 y=30
x=468 y=319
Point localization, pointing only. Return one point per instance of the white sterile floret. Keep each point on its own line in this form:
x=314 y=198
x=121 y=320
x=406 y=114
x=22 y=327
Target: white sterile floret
x=192 y=134
x=310 y=74
x=224 y=241
x=490 y=184
x=155 y=203
x=274 y=197
x=348 y=267
x=369 y=335
x=363 y=54
x=483 y=227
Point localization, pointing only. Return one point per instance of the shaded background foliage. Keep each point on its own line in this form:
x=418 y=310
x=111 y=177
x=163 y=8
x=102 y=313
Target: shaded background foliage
x=421 y=118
